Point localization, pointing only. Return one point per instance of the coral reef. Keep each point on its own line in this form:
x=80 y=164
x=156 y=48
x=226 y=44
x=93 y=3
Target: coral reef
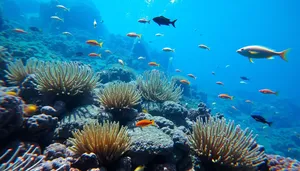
x=108 y=141
x=221 y=145
x=201 y=112
x=155 y=87
x=174 y=112
x=117 y=73
x=278 y=163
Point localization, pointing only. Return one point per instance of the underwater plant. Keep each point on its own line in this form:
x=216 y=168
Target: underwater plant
x=65 y=78
x=156 y=87
x=16 y=71
x=221 y=144
x=119 y=95
x=108 y=141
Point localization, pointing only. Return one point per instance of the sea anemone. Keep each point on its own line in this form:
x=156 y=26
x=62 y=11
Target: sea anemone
x=17 y=71
x=65 y=78
x=108 y=141
x=155 y=87
x=220 y=144
x=119 y=95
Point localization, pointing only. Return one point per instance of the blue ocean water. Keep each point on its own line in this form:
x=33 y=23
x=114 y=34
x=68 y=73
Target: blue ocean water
x=224 y=26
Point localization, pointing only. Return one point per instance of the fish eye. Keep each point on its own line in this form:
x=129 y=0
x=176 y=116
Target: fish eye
x=242 y=49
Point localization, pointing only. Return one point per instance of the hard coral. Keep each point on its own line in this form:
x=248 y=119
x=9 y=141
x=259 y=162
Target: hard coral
x=155 y=86
x=108 y=141
x=279 y=163
x=222 y=145
x=64 y=78
x=119 y=95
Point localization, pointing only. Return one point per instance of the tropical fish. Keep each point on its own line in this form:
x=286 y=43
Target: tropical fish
x=225 y=96
x=57 y=18
x=95 y=23
x=108 y=51
x=132 y=34
x=153 y=64
x=141 y=58
x=121 y=62
x=219 y=83
x=227 y=66
x=233 y=107
x=161 y=20
x=63 y=7
x=243 y=82
x=159 y=34
x=245 y=78
x=248 y=101
x=192 y=76
x=144 y=20
x=94 y=54
x=20 y=31
x=177 y=70
x=145 y=123
x=30 y=109
x=202 y=46
x=94 y=43
x=167 y=49
x=185 y=82
x=261 y=119
x=67 y=33
x=139 y=168
x=12 y=93
x=260 y=52
x=268 y=91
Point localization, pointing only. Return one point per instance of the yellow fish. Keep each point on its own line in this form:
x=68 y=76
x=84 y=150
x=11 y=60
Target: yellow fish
x=12 y=93
x=30 y=109
x=139 y=168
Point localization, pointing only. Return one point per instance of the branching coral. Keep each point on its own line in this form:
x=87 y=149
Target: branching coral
x=222 y=143
x=17 y=71
x=108 y=141
x=65 y=78
x=155 y=86
x=119 y=95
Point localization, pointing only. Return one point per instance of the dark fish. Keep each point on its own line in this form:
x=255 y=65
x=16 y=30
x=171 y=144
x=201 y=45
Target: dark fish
x=161 y=20
x=245 y=78
x=261 y=119
x=35 y=29
x=79 y=54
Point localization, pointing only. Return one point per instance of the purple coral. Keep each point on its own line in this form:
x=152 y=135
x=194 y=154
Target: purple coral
x=279 y=163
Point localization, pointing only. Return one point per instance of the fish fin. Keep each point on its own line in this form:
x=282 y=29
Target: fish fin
x=173 y=23
x=271 y=57
x=253 y=52
x=152 y=122
x=277 y=93
x=250 y=59
x=139 y=35
x=101 y=44
x=231 y=98
x=173 y=50
x=100 y=55
x=158 y=65
x=269 y=123
x=284 y=53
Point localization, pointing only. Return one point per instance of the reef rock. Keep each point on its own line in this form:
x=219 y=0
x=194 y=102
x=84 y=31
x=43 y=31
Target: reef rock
x=86 y=161
x=174 y=112
x=57 y=150
x=10 y=114
x=117 y=73
x=77 y=118
x=147 y=143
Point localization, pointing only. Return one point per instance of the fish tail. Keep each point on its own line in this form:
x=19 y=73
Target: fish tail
x=152 y=122
x=173 y=23
x=139 y=35
x=269 y=123
x=101 y=44
x=158 y=65
x=276 y=93
x=100 y=55
x=283 y=54
x=231 y=98
x=173 y=50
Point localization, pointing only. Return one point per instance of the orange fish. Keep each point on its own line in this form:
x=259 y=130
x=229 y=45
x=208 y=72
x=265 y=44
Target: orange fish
x=177 y=70
x=153 y=64
x=94 y=54
x=248 y=101
x=20 y=30
x=233 y=107
x=192 y=76
x=268 y=91
x=30 y=109
x=132 y=34
x=225 y=96
x=145 y=123
x=219 y=83
x=94 y=43
x=185 y=82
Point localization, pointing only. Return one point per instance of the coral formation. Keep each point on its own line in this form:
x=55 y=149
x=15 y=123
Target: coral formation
x=155 y=87
x=108 y=141
x=119 y=95
x=278 y=163
x=64 y=78
x=223 y=145
x=117 y=73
